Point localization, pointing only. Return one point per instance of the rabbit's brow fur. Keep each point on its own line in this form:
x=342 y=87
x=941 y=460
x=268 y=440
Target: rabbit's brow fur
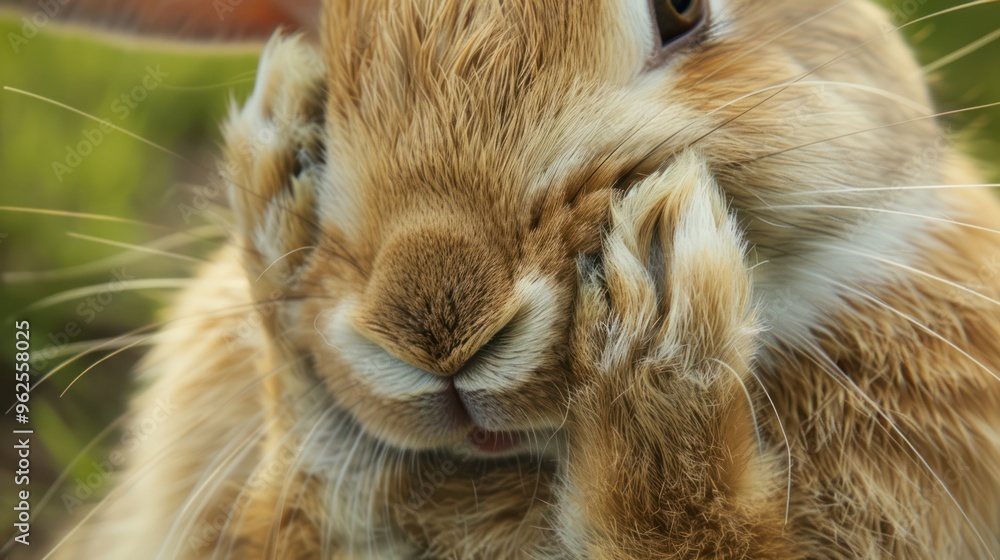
x=719 y=332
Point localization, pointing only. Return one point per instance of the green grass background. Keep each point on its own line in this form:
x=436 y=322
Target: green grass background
x=121 y=177
x=124 y=177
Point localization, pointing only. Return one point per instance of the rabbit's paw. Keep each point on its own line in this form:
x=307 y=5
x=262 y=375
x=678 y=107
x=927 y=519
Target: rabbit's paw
x=664 y=455
x=667 y=310
x=275 y=156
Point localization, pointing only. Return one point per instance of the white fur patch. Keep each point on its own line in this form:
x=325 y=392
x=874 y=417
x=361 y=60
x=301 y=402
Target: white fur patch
x=384 y=374
x=718 y=6
x=511 y=359
x=795 y=293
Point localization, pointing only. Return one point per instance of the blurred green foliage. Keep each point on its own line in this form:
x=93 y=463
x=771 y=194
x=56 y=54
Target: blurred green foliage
x=960 y=80
x=121 y=176
x=52 y=158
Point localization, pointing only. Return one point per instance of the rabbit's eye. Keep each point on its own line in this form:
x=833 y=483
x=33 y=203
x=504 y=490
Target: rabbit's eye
x=675 y=18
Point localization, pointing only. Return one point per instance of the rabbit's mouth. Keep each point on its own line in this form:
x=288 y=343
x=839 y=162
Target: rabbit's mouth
x=490 y=444
x=494 y=442
x=490 y=430
x=497 y=403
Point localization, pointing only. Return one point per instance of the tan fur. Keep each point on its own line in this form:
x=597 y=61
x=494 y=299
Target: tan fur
x=731 y=289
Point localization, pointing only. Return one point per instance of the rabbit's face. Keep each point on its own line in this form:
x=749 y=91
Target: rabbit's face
x=453 y=160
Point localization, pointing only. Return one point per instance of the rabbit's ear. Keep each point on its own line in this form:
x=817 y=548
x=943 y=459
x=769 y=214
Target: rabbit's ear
x=231 y=20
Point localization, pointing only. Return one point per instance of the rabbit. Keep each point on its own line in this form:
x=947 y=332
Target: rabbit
x=580 y=279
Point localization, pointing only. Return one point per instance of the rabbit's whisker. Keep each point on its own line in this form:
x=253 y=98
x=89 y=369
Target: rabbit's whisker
x=923 y=273
x=179 y=239
x=275 y=261
x=873 y=209
x=384 y=465
x=321 y=422
x=133 y=332
x=926 y=329
x=756 y=426
x=962 y=52
x=784 y=436
x=83 y=215
x=110 y=355
x=116 y=343
x=125 y=285
x=873 y=129
x=897 y=188
x=134 y=247
x=377 y=462
x=222 y=312
x=248 y=79
x=746 y=392
x=97 y=119
x=338 y=485
x=75 y=347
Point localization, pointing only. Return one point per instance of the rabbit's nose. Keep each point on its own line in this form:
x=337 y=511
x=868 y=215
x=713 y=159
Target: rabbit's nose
x=435 y=298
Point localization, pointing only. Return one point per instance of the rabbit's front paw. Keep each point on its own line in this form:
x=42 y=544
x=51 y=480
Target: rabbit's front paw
x=664 y=459
x=669 y=307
